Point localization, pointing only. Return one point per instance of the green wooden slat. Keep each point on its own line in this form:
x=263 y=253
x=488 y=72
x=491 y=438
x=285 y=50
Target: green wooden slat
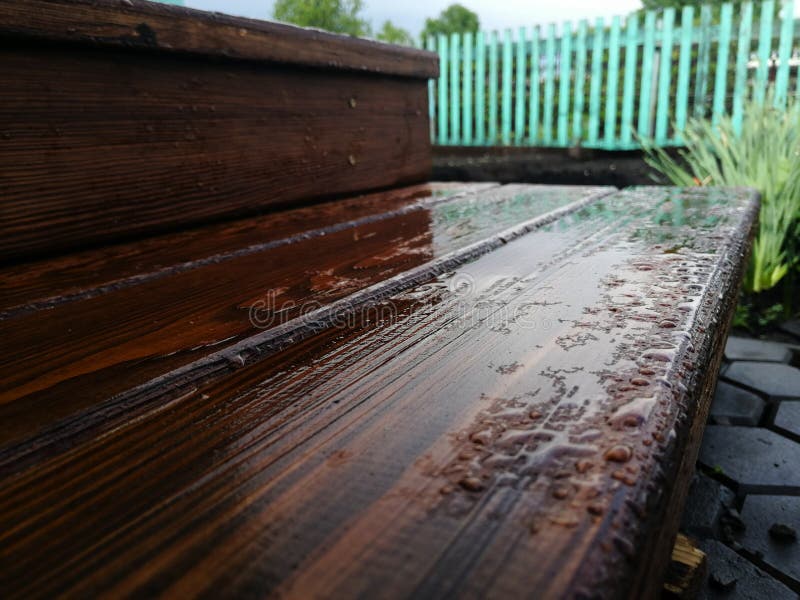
x=480 y=88
x=612 y=87
x=444 y=106
x=506 y=100
x=430 y=45
x=596 y=83
x=784 y=52
x=519 y=94
x=664 y=74
x=742 y=56
x=533 y=112
x=703 y=58
x=629 y=85
x=455 y=88
x=580 y=81
x=684 y=69
x=647 y=73
x=549 y=84
x=466 y=122
x=493 y=82
x=723 y=49
x=764 y=45
x=564 y=80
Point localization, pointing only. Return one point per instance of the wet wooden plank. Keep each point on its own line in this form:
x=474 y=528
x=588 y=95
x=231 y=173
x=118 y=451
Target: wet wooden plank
x=148 y=26
x=536 y=406
x=74 y=355
x=103 y=146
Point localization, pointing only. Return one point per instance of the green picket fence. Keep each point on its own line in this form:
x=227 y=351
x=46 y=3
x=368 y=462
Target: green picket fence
x=602 y=85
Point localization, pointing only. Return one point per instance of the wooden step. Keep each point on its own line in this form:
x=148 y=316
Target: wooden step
x=522 y=422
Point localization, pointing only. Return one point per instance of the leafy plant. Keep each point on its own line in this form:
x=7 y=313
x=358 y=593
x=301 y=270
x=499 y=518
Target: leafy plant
x=765 y=155
x=338 y=16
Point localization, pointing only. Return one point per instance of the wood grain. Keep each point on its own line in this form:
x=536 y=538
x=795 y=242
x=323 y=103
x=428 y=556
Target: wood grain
x=75 y=355
x=140 y=25
x=504 y=429
x=104 y=146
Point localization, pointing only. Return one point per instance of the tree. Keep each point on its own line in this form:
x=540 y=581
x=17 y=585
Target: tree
x=716 y=5
x=338 y=16
x=454 y=19
x=394 y=35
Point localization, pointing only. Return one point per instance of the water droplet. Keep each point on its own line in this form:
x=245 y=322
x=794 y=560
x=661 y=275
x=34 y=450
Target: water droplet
x=618 y=454
x=472 y=484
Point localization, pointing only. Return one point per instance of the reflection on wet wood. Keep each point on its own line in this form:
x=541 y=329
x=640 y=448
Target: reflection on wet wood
x=516 y=426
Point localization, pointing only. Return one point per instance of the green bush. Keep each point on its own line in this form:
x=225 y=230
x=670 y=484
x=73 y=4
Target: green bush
x=764 y=155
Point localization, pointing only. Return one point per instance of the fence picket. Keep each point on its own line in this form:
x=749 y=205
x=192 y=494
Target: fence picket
x=784 y=53
x=596 y=82
x=493 y=89
x=519 y=95
x=629 y=87
x=613 y=82
x=764 y=45
x=455 y=90
x=444 y=106
x=721 y=80
x=742 y=56
x=647 y=74
x=533 y=113
x=430 y=46
x=580 y=81
x=506 y=99
x=549 y=83
x=466 y=125
x=684 y=69
x=703 y=58
x=664 y=74
x=564 y=77
x=480 y=88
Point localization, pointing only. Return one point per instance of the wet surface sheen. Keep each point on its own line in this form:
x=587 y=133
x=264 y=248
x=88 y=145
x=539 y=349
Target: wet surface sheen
x=503 y=427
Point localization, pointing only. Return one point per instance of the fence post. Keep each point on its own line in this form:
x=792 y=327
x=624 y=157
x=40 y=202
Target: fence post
x=480 y=89
x=629 y=86
x=612 y=88
x=466 y=125
x=533 y=113
x=742 y=56
x=549 y=84
x=506 y=100
x=784 y=53
x=455 y=89
x=493 y=81
x=664 y=75
x=684 y=68
x=430 y=45
x=444 y=80
x=596 y=83
x=519 y=100
x=703 y=54
x=721 y=78
x=580 y=82
x=564 y=77
x=764 y=46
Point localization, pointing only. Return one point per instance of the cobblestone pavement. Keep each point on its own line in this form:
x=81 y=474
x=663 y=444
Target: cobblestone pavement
x=743 y=508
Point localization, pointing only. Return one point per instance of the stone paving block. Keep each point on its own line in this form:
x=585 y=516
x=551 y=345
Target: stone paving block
x=757 y=460
x=792 y=328
x=735 y=406
x=731 y=576
x=739 y=348
x=776 y=381
x=704 y=505
x=770 y=522
x=788 y=417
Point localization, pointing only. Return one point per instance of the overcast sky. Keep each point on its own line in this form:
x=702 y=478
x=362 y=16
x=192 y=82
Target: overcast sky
x=411 y=14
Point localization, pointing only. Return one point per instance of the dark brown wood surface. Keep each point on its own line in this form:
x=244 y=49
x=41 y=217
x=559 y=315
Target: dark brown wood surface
x=74 y=354
x=137 y=24
x=102 y=146
x=509 y=427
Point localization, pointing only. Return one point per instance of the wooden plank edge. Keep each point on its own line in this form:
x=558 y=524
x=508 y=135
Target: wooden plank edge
x=158 y=393
x=142 y=25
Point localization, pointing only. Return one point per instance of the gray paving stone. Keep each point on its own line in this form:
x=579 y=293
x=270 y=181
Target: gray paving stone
x=792 y=328
x=704 y=505
x=788 y=417
x=735 y=406
x=739 y=348
x=744 y=580
x=756 y=460
x=760 y=514
x=776 y=381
